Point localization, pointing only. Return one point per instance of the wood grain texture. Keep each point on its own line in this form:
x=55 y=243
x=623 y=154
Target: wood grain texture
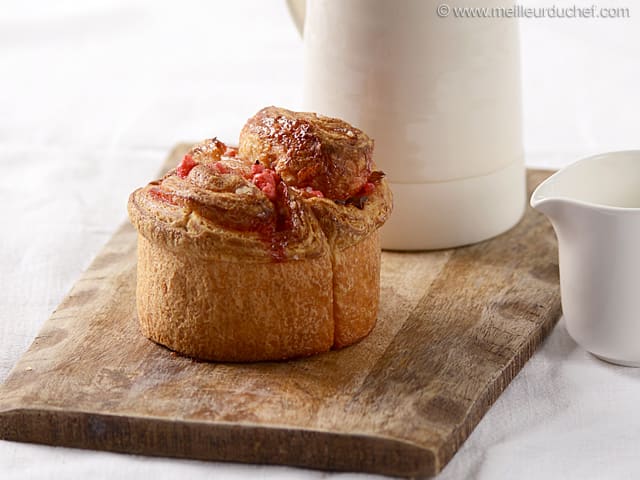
x=454 y=327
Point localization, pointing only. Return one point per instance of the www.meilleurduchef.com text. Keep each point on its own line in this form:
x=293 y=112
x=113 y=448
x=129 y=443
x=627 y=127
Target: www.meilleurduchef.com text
x=520 y=11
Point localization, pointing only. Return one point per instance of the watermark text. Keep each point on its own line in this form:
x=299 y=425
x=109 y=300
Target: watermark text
x=445 y=10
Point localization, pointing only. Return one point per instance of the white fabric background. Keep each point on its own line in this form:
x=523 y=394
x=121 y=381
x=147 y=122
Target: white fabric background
x=92 y=96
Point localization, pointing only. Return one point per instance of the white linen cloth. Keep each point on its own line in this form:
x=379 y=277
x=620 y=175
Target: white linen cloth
x=93 y=95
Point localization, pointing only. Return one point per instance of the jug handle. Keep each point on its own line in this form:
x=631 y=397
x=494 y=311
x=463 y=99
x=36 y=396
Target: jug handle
x=297 y=9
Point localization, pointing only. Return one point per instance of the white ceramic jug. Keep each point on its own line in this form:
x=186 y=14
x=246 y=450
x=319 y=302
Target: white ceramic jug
x=441 y=98
x=594 y=206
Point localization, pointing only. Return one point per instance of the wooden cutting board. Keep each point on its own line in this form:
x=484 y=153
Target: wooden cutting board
x=455 y=326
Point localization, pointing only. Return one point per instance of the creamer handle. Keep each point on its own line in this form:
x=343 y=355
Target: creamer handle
x=297 y=10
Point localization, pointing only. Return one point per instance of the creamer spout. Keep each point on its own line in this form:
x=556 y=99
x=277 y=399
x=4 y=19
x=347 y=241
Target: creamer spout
x=552 y=198
x=551 y=207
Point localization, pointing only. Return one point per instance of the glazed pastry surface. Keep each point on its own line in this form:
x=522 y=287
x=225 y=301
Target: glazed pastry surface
x=297 y=181
x=265 y=252
x=309 y=150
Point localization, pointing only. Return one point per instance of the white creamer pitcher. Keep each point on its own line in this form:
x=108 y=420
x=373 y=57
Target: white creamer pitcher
x=440 y=96
x=594 y=206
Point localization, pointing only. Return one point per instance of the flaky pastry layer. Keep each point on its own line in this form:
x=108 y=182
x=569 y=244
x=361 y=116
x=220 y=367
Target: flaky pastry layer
x=228 y=204
x=266 y=252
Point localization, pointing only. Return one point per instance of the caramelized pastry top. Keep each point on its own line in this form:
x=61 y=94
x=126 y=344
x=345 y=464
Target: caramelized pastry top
x=235 y=205
x=309 y=150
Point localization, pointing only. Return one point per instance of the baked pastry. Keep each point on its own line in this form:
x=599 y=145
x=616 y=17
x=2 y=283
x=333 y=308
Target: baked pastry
x=264 y=252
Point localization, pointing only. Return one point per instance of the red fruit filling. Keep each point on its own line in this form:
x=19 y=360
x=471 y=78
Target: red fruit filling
x=230 y=152
x=158 y=194
x=219 y=168
x=266 y=181
x=185 y=166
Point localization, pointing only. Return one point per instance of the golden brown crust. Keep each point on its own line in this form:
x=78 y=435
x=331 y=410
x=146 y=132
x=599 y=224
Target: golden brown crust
x=309 y=150
x=345 y=225
x=223 y=216
x=238 y=261
x=356 y=290
x=234 y=312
